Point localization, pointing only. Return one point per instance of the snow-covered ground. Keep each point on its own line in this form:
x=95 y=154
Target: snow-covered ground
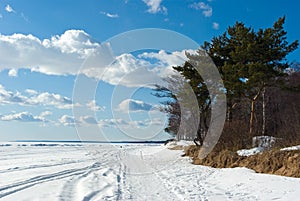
x=259 y=144
x=293 y=148
x=35 y=171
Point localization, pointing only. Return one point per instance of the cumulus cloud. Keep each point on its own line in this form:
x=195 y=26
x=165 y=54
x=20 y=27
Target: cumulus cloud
x=51 y=99
x=112 y=123
x=167 y=59
x=121 y=123
x=9 y=9
x=64 y=54
x=9 y=97
x=12 y=73
x=155 y=6
x=60 y=55
x=73 y=41
x=133 y=71
x=126 y=70
x=71 y=121
x=86 y=121
x=46 y=113
x=205 y=8
x=93 y=106
x=67 y=120
x=35 y=98
x=110 y=15
x=31 y=92
x=22 y=117
x=216 y=26
x=131 y=105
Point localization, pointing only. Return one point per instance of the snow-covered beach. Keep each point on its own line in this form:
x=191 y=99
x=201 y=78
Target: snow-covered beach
x=64 y=171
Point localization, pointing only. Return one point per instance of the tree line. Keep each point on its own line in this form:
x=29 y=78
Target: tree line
x=262 y=87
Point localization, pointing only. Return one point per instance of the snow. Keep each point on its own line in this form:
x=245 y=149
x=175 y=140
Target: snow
x=62 y=172
x=249 y=152
x=260 y=144
x=179 y=143
x=185 y=143
x=293 y=148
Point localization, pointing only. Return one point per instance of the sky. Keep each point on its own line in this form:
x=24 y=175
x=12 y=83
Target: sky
x=84 y=70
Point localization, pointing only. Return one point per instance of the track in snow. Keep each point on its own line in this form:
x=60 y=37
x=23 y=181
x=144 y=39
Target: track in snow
x=134 y=172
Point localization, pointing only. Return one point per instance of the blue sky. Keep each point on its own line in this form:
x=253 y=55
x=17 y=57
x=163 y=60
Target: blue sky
x=46 y=48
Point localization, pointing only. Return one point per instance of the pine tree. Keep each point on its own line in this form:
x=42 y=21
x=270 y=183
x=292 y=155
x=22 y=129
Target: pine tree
x=249 y=61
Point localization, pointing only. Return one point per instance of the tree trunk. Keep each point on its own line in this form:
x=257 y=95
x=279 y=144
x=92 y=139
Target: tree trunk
x=229 y=112
x=263 y=132
x=252 y=114
x=252 y=118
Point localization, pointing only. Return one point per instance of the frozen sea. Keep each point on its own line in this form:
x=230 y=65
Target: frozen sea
x=78 y=171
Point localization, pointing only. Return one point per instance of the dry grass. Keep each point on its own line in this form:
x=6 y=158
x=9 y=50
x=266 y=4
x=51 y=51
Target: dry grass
x=285 y=163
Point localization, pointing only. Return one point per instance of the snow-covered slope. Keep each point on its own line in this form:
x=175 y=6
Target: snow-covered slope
x=127 y=172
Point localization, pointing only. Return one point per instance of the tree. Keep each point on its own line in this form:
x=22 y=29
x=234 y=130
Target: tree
x=171 y=106
x=283 y=104
x=249 y=61
x=199 y=87
x=190 y=102
x=207 y=88
x=182 y=120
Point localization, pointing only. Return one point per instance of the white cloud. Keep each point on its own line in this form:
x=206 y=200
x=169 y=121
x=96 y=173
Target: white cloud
x=60 y=55
x=121 y=123
x=51 y=99
x=67 y=120
x=22 y=117
x=167 y=59
x=205 y=8
x=73 y=41
x=9 y=9
x=131 y=105
x=65 y=54
x=71 y=121
x=31 y=92
x=92 y=105
x=13 y=73
x=146 y=68
x=35 y=98
x=86 y=121
x=46 y=113
x=8 y=97
x=155 y=6
x=126 y=70
x=112 y=122
x=110 y=15
x=216 y=26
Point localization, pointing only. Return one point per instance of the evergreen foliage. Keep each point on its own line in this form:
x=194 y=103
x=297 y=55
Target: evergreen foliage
x=249 y=62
